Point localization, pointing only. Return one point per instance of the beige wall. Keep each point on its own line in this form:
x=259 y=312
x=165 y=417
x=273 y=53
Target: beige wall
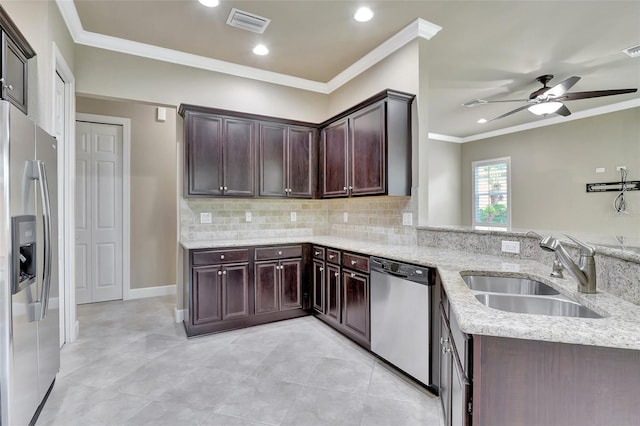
x=444 y=183
x=117 y=75
x=550 y=167
x=42 y=25
x=153 y=188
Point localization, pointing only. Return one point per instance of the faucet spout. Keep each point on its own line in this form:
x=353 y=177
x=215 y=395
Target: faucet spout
x=584 y=272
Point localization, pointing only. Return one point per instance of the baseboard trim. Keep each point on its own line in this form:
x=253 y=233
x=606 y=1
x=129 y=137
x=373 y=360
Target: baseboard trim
x=142 y=293
x=179 y=314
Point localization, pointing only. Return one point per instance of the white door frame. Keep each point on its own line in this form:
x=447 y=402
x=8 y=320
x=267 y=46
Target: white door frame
x=126 y=192
x=67 y=220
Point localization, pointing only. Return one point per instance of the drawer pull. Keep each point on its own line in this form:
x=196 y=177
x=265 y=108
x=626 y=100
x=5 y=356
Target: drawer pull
x=353 y=262
x=331 y=256
x=279 y=253
x=224 y=272
x=317 y=253
x=219 y=272
x=353 y=275
x=221 y=256
x=344 y=188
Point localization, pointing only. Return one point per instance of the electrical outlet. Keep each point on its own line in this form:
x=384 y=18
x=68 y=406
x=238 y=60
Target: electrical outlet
x=345 y=217
x=247 y=216
x=511 y=247
x=600 y=170
x=294 y=216
x=205 y=218
x=407 y=219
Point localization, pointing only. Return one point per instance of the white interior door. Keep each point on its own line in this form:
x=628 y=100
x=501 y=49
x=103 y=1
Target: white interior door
x=99 y=227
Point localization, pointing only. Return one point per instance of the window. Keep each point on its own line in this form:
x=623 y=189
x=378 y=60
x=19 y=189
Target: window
x=492 y=193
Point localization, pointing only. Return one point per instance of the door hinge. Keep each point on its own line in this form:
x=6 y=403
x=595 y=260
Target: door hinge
x=470 y=407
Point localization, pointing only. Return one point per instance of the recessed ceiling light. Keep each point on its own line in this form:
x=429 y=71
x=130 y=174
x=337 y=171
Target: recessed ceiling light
x=261 y=50
x=209 y=3
x=363 y=14
x=482 y=121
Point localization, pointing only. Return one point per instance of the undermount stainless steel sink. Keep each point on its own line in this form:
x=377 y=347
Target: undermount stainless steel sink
x=510 y=285
x=536 y=305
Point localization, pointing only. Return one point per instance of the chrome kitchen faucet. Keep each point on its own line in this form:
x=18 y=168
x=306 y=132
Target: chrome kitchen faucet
x=584 y=272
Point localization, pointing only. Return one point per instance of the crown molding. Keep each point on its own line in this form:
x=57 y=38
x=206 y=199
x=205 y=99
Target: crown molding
x=418 y=28
x=620 y=106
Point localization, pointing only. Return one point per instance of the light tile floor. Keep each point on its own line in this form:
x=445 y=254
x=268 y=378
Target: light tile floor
x=133 y=365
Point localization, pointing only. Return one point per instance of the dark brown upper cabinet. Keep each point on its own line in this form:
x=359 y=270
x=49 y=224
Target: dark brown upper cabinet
x=367 y=149
x=16 y=52
x=220 y=155
x=287 y=166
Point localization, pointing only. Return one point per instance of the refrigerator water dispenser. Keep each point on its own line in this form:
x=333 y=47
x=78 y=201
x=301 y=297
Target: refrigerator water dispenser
x=24 y=251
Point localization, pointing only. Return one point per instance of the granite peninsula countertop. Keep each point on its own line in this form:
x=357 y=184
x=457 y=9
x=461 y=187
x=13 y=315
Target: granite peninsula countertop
x=620 y=327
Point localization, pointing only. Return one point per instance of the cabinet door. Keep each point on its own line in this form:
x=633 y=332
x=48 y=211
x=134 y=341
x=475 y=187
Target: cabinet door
x=206 y=294
x=290 y=284
x=445 y=368
x=300 y=162
x=14 y=74
x=239 y=157
x=460 y=415
x=235 y=291
x=266 y=276
x=318 y=286
x=273 y=143
x=332 y=294
x=334 y=164
x=355 y=303
x=367 y=151
x=203 y=141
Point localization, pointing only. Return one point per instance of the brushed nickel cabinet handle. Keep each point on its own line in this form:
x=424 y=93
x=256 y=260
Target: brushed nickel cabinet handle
x=353 y=275
x=221 y=256
x=336 y=274
x=353 y=262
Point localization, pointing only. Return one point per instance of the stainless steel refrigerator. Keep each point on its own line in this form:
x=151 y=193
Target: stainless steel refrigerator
x=29 y=309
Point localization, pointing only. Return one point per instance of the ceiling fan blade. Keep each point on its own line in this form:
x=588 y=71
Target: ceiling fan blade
x=564 y=111
x=561 y=88
x=593 y=94
x=509 y=113
x=476 y=102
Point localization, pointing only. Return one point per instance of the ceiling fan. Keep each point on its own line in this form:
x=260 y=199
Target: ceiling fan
x=549 y=100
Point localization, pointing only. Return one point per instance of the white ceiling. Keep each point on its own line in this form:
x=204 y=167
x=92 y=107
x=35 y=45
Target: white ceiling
x=485 y=49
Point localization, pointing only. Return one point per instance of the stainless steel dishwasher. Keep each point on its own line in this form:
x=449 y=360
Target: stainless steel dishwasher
x=400 y=315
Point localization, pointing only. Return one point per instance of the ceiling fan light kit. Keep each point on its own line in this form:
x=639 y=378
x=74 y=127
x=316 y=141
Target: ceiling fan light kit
x=549 y=100
x=545 y=108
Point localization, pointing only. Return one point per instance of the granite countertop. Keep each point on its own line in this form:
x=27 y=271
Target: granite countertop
x=618 y=329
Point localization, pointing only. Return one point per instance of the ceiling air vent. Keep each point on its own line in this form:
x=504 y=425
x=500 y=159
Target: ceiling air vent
x=633 y=51
x=247 y=21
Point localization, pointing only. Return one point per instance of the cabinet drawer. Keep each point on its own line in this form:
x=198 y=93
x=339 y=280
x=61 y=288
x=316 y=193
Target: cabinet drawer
x=210 y=257
x=333 y=256
x=353 y=261
x=318 y=252
x=278 y=252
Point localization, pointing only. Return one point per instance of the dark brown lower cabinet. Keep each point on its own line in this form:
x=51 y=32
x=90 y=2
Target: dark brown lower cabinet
x=221 y=292
x=318 y=286
x=278 y=285
x=346 y=295
x=333 y=293
x=355 y=304
x=226 y=289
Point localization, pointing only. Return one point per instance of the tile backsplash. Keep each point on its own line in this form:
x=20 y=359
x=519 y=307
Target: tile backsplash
x=370 y=218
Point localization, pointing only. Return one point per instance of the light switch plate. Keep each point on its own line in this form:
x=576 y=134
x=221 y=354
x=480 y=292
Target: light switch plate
x=247 y=216
x=511 y=247
x=407 y=219
x=205 y=218
x=345 y=217
x=294 y=216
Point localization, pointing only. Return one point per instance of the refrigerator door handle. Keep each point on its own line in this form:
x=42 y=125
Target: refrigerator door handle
x=46 y=222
